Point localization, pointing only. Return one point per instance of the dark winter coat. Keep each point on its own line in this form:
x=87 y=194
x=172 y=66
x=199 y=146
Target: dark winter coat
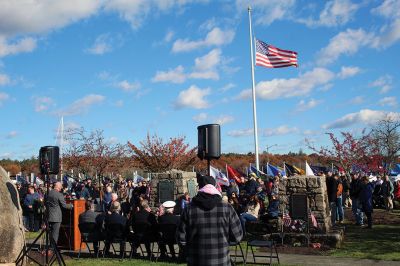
x=366 y=197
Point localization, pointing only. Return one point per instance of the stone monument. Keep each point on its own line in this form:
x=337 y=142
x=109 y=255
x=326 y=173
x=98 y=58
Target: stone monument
x=12 y=233
x=171 y=186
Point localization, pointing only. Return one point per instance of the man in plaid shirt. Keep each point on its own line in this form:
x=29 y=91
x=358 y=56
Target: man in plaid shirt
x=207 y=226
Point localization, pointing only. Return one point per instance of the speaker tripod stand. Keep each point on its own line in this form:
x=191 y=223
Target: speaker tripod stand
x=50 y=245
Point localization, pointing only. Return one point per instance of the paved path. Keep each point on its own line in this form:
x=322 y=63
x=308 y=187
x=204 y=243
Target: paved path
x=294 y=259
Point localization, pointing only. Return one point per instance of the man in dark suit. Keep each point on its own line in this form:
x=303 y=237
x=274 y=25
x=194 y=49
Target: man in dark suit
x=144 y=218
x=167 y=224
x=89 y=216
x=55 y=201
x=113 y=219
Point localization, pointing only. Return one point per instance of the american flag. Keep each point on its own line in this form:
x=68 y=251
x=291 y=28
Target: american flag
x=286 y=219
x=273 y=57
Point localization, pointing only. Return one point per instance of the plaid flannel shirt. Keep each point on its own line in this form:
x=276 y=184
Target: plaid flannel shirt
x=206 y=234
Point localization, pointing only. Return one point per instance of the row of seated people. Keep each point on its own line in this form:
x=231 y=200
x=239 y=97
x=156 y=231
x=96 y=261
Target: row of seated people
x=143 y=227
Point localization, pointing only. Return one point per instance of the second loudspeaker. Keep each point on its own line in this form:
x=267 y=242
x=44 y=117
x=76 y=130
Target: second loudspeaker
x=209 y=141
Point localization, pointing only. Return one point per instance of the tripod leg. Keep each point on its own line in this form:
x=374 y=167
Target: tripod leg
x=57 y=253
x=25 y=251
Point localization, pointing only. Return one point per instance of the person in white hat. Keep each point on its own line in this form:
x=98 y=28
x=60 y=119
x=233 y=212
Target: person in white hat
x=166 y=223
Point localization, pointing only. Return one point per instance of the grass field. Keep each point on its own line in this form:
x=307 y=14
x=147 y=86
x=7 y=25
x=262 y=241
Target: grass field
x=382 y=242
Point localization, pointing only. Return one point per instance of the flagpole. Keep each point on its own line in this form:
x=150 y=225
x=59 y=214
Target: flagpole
x=254 y=92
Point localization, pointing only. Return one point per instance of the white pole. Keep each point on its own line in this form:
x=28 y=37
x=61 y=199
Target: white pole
x=254 y=92
x=62 y=144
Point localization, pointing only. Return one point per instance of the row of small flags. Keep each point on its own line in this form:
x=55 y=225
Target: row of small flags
x=269 y=170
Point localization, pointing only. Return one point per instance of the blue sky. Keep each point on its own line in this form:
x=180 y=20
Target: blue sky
x=166 y=67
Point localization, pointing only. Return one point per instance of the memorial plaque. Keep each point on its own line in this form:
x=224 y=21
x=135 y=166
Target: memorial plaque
x=299 y=206
x=165 y=191
x=192 y=188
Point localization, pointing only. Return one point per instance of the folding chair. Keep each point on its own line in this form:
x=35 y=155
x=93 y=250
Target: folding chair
x=241 y=255
x=142 y=234
x=115 y=234
x=260 y=235
x=88 y=235
x=167 y=238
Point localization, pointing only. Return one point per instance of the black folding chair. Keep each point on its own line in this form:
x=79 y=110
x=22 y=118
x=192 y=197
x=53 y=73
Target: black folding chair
x=143 y=234
x=167 y=238
x=88 y=235
x=115 y=234
x=260 y=235
x=241 y=255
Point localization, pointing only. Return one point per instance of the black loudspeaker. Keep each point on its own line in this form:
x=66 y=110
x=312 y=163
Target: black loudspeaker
x=209 y=141
x=49 y=159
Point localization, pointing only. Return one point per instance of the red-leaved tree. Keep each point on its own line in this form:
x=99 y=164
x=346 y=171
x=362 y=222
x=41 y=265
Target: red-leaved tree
x=156 y=156
x=352 y=153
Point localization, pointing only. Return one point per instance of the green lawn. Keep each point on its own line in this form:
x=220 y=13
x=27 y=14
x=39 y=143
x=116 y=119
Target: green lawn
x=31 y=235
x=382 y=242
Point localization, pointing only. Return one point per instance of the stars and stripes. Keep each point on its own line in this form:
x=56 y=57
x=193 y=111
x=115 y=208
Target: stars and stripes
x=287 y=220
x=273 y=57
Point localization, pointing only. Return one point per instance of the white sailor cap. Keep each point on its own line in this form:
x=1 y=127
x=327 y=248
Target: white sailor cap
x=169 y=204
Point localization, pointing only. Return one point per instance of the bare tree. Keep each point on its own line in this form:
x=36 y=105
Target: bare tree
x=387 y=137
x=91 y=153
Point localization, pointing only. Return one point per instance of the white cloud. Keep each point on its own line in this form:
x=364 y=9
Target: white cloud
x=3 y=97
x=224 y=119
x=102 y=45
x=357 y=100
x=384 y=83
x=208 y=61
x=304 y=105
x=388 y=9
x=193 y=97
x=216 y=37
x=285 y=88
x=335 y=13
x=4 y=79
x=175 y=75
x=43 y=103
x=200 y=117
x=119 y=103
x=279 y=131
x=23 y=45
x=128 y=86
x=169 y=35
x=227 y=87
x=241 y=132
x=27 y=17
x=266 y=12
x=206 y=67
x=365 y=116
x=388 y=101
x=71 y=126
x=347 y=42
x=12 y=134
x=390 y=35
x=82 y=105
x=348 y=71
x=135 y=12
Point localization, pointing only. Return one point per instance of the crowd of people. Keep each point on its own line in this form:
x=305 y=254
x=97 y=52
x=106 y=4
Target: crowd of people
x=362 y=193
x=126 y=203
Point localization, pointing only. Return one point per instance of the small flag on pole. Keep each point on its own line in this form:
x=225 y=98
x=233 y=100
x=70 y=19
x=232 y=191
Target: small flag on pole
x=309 y=171
x=273 y=57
